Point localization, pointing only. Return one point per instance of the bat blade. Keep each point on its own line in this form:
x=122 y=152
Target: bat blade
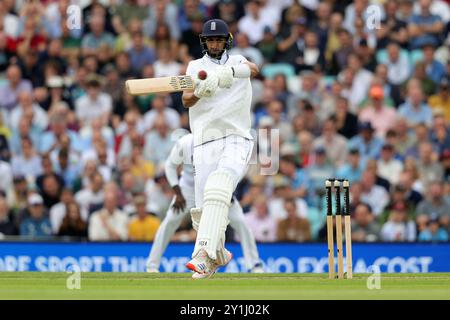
x=159 y=85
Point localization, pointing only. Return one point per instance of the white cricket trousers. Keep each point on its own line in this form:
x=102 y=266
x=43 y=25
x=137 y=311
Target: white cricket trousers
x=231 y=154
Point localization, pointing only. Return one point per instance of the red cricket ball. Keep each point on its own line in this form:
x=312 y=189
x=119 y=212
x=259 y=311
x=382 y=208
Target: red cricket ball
x=202 y=74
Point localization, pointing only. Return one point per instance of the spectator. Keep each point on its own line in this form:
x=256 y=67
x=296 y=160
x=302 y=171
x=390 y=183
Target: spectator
x=392 y=29
x=6 y=182
x=366 y=142
x=7 y=226
x=143 y=226
x=374 y=195
x=160 y=109
x=95 y=104
x=9 y=91
x=293 y=228
x=428 y=167
x=424 y=27
x=320 y=169
x=166 y=65
x=255 y=20
x=397 y=63
x=352 y=169
x=434 y=204
x=433 y=232
x=334 y=144
x=379 y=115
x=243 y=48
x=109 y=223
x=405 y=183
x=364 y=226
x=434 y=69
x=441 y=100
x=27 y=164
x=98 y=39
x=72 y=225
x=389 y=168
x=260 y=222
x=91 y=196
x=399 y=227
x=158 y=142
x=414 y=110
x=346 y=122
x=37 y=224
x=29 y=109
x=59 y=210
x=140 y=54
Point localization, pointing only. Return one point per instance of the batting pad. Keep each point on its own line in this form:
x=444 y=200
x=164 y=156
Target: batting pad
x=214 y=219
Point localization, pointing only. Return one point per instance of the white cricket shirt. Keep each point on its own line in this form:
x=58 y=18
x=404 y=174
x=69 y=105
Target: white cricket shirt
x=227 y=112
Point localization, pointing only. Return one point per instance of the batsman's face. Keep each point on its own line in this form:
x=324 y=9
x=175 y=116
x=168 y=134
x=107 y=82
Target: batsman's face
x=215 y=44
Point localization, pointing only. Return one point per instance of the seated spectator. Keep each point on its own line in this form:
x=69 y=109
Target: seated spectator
x=366 y=142
x=405 y=183
x=334 y=144
x=440 y=133
x=433 y=232
x=96 y=104
x=98 y=38
x=9 y=91
x=140 y=54
x=143 y=226
x=293 y=228
x=160 y=109
x=59 y=210
x=441 y=100
x=435 y=203
x=297 y=179
x=434 y=69
x=165 y=65
x=379 y=115
x=7 y=226
x=320 y=170
x=389 y=168
x=420 y=75
x=27 y=164
x=414 y=110
x=91 y=195
x=428 y=166
x=352 y=169
x=243 y=48
x=72 y=225
x=346 y=122
x=364 y=226
x=260 y=222
x=398 y=64
x=27 y=107
x=158 y=142
x=372 y=166
x=424 y=27
x=109 y=223
x=37 y=224
x=374 y=195
x=398 y=227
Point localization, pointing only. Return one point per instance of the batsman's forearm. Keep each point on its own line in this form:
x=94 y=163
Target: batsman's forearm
x=189 y=99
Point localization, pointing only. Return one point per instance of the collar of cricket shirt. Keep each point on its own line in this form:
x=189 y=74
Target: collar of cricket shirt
x=222 y=60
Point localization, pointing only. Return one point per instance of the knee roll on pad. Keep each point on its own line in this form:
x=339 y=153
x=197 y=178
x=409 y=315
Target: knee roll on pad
x=196 y=214
x=219 y=187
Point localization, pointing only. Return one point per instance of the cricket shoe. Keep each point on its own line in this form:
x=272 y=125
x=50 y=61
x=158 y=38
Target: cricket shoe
x=257 y=268
x=214 y=267
x=152 y=270
x=201 y=263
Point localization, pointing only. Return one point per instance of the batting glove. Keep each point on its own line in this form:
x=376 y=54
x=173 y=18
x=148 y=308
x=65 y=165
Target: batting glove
x=206 y=88
x=225 y=75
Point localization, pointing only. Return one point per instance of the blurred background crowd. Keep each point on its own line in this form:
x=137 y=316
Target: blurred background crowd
x=352 y=89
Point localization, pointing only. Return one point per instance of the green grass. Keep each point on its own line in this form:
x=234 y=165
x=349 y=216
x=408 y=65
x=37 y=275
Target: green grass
x=174 y=286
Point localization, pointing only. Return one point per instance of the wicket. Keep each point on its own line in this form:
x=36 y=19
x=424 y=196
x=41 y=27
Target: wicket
x=336 y=183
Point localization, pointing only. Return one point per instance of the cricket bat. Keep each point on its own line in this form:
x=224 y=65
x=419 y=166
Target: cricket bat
x=159 y=85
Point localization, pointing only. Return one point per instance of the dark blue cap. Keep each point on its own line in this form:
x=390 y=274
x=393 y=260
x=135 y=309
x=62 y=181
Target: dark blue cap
x=215 y=28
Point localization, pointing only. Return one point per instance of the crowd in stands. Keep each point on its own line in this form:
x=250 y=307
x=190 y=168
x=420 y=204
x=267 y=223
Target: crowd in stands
x=357 y=90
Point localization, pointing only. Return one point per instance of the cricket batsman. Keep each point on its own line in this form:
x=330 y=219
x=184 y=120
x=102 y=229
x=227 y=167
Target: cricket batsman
x=219 y=115
x=183 y=201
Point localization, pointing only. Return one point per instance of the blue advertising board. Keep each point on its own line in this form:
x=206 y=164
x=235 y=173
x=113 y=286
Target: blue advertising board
x=279 y=257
